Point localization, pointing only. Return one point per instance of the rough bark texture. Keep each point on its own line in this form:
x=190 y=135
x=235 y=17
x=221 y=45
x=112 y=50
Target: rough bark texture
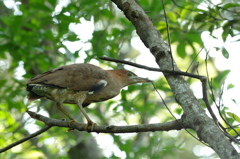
x=194 y=115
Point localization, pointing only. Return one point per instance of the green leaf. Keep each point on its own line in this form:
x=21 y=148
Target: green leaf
x=217 y=48
x=233 y=116
x=181 y=50
x=161 y=25
x=234 y=101
x=184 y=13
x=230 y=86
x=200 y=17
x=227 y=30
x=222 y=75
x=179 y=111
x=172 y=16
x=225 y=53
x=194 y=37
x=233 y=132
x=230 y=5
x=217 y=82
x=211 y=28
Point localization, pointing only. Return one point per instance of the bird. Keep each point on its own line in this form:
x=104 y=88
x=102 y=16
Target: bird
x=80 y=84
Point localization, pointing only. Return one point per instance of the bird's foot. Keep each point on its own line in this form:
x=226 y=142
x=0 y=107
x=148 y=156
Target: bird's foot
x=71 y=121
x=90 y=123
x=69 y=124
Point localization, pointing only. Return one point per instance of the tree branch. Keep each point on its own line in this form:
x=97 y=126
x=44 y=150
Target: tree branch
x=175 y=72
x=173 y=125
x=25 y=139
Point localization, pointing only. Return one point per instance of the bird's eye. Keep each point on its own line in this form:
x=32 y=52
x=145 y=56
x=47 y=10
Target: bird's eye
x=130 y=74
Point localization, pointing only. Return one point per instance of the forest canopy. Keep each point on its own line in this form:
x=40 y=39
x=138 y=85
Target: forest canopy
x=202 y=38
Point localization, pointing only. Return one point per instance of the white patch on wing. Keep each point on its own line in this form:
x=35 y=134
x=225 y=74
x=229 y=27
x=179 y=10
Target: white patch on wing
x=35 y=84
x=91 y=92
x=101 y=82
x=104 y=82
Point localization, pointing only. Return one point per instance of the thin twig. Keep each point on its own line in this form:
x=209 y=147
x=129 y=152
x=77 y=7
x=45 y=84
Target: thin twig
x=205 y=98
x=175 y=117
x=194 y=59
x=218 y=106
x=168 y=33
x=221 y=115
x=25 y=139
x=151 y=68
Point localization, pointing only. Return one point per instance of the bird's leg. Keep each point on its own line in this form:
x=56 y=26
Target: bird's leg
x=64 y=112
x=90 y=122
x=68 y=115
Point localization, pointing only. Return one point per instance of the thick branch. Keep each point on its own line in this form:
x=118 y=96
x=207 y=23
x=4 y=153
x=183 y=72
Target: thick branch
x=194 y=114
x=173 y=125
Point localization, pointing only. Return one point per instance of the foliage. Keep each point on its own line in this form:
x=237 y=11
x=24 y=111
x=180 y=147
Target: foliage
x=36 y=36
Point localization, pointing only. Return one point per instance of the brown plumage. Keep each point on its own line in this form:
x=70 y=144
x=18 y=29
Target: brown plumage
x=80 y=84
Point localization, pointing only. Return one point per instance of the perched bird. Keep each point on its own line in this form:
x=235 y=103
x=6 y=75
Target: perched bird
x=80 y=84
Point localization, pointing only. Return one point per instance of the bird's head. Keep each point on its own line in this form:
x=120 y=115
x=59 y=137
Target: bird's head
x=128 y=78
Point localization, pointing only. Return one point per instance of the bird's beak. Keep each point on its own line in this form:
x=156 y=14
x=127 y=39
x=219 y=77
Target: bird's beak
x=137 y=79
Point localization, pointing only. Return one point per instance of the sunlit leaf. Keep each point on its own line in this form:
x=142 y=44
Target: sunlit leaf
x=230 y=86
x=234 y=132
x=172 y=16
x=234 y=116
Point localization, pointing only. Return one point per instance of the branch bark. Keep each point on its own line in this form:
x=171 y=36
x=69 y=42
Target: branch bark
x=173 y=125
x=194 y=115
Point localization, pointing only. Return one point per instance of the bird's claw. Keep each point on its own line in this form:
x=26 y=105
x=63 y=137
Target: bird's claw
x=69 y=124
x=90 y=123
x=71 y=121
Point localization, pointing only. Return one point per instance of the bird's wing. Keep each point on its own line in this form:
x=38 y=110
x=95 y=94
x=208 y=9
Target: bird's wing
x=79 y=77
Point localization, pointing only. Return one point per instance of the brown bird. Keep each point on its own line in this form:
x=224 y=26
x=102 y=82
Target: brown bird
x=80 y=84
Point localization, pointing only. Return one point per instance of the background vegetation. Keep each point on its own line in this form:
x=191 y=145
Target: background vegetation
x=38 y=35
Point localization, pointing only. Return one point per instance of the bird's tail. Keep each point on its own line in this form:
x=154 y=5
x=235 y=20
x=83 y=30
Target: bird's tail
x=32 y=96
